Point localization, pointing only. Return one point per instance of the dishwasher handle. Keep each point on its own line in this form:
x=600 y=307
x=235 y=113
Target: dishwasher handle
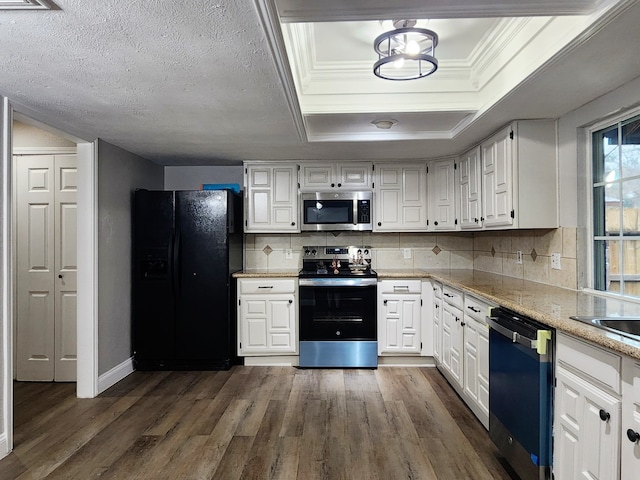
x=539 y=343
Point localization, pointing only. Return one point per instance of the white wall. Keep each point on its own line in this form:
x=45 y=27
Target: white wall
x=28 y=136
x=119 y=174
x=192 y=178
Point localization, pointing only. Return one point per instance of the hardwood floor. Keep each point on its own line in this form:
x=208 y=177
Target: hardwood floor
x=253 y=423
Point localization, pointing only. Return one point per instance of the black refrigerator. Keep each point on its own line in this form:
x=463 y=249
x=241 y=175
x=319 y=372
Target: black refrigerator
x=186 y=246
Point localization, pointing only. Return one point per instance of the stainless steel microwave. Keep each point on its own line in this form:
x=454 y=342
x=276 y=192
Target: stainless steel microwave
x=336 y=211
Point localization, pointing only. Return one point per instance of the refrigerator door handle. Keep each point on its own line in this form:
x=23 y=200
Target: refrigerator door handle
x=176 y=263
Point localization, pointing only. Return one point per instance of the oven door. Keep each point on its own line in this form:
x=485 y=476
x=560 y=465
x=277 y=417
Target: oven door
x=338 y=309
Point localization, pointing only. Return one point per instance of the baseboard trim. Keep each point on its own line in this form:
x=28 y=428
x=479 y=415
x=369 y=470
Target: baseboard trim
x=405 y=361
x=4 y=445
x=113 y=376
x=272 y=361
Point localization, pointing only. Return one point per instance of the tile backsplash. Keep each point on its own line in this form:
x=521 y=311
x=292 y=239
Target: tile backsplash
x=494 y=252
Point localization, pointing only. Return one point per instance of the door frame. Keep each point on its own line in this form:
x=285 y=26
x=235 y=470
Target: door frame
x=87 y=306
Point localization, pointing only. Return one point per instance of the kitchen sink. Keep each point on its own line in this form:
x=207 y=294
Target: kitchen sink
x=626 y=326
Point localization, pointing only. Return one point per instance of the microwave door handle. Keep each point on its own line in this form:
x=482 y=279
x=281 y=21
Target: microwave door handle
x=355 y=211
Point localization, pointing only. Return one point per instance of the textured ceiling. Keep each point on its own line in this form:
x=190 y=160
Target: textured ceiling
x=195 y=83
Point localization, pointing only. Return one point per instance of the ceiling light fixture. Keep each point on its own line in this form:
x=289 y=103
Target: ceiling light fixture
x=405 y=53
x=384 y=124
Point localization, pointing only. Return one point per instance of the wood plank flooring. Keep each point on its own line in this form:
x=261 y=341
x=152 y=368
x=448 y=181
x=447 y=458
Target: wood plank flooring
x=253 y=423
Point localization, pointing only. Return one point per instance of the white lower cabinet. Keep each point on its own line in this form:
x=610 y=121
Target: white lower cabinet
x=476 y=357
x=267 y=316
x=452 y=336
x=587 y=415
x=461 y=346
x=630 y=447
x=399 y=317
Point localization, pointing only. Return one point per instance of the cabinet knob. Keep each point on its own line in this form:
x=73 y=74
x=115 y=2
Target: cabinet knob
x=339 y=185
x=379 y=224
x=385 y=302
x=333 y=185
x=462 y=324
x=476 y=220
x=60 y=276
x=435 y=223
x=290 y=301
x=633 y=436
x=482 y=219
x=604 y=416
x=293 y=224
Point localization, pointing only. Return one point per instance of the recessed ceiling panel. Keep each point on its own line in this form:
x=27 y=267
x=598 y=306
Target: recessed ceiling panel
x=25 y=5
x=402 y=125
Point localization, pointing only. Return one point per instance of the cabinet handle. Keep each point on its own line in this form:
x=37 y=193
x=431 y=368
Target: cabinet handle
x=404 y=288
x=448 y=295
x=457 y=319
x=633 y=436
x=379 y=224
x=385 y=302
x=473 y=309
x=290 y=301
x=604 y=416
x=462 y=324
x=482 y=219
x=270 y=286
x=476 y=220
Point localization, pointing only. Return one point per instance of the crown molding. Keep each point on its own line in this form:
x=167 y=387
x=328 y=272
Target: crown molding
x=270 y=22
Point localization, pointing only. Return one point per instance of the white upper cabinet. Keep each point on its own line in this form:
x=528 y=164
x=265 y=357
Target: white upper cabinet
x=336 y=176
x=271 y=198
x=469 y=187
x=519 y=176
x=441 y=194
x=400 y=197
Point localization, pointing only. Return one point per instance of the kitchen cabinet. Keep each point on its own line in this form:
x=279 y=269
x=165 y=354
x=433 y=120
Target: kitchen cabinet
x=469 y=188
x=267 y=316
x=587 y=414
x=399 y=317
x=336 y=176
x=437 y=321
x=271 y=198
x=519 y=176
x=630 y=442
x=400 y=197
x=476 y=357
x=441 y=194
x=452 y=336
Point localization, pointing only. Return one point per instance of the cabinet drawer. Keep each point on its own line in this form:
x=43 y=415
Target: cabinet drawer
x=267 y=285
x=400 y=286
x=452 y=296
x=597 y=364
x=476 y=308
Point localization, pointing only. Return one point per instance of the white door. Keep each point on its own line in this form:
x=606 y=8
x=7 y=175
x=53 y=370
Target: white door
x=46 y=187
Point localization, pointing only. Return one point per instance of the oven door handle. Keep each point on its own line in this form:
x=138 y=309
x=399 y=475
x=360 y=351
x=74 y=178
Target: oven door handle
x=539 y=343
x=337 y=282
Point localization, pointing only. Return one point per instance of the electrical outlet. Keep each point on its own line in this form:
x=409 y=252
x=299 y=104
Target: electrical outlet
x=555 y=261
x=288 y=254
x=519 y=257
x=407 y=253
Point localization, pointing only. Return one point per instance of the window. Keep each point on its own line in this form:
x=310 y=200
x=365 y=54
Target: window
x=616 y=208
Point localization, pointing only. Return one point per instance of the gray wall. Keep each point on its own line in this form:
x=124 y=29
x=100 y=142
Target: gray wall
x=28 y=136
x=119 y=174
x=192 y=178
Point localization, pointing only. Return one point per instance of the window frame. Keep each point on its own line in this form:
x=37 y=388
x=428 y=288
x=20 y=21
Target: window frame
x=607 y=123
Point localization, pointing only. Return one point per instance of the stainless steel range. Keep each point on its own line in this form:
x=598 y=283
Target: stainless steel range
x=338 y=323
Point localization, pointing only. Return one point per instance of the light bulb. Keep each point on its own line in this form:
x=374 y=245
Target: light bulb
x=412 y=47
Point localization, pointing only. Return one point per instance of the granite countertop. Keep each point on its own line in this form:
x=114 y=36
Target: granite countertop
x=545 y=303
x=263 y=273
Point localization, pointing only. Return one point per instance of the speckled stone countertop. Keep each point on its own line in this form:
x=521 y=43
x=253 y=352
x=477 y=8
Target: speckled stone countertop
x=547 y=304
x=259 y=273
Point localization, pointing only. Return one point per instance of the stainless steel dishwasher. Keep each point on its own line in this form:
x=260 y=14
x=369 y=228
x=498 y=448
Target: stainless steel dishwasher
x=521 y=392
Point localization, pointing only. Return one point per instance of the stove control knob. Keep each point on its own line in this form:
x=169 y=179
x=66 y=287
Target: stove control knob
x=307 y=252
x=359 y=252
x=338 y=333
x=366 y=251
x=313 y=252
